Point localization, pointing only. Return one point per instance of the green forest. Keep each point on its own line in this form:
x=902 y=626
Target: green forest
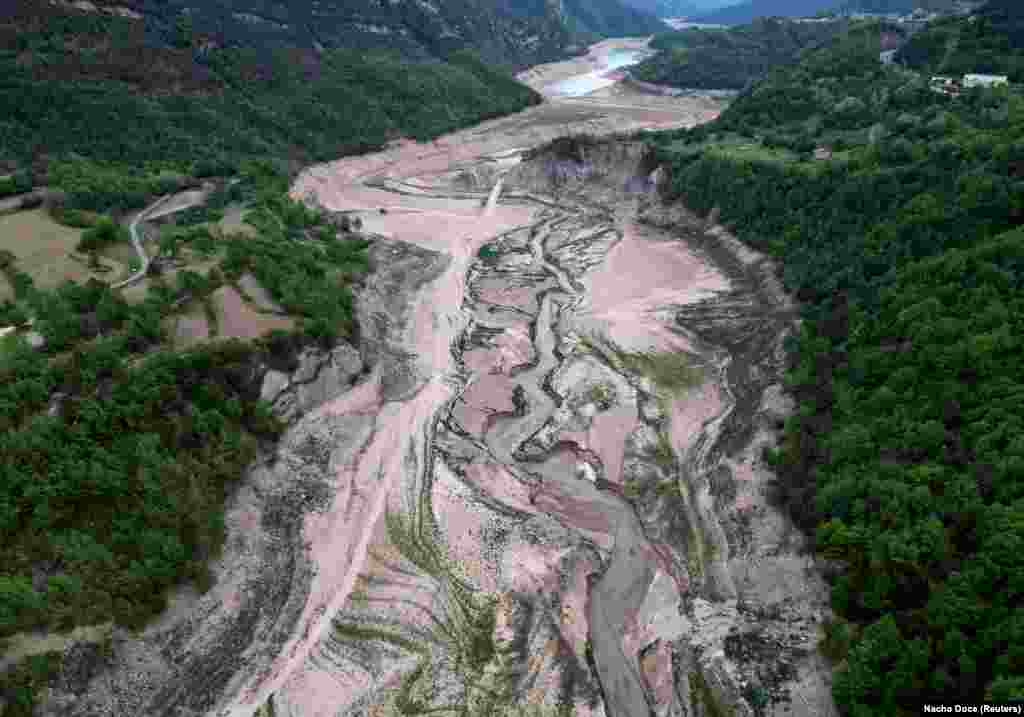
x=991 y=43
x=161 y=431
x=905 y=457
x=92 y=87
x=730 y=58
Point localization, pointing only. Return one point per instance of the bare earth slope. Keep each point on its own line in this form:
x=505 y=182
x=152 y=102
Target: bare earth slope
x=525 y=500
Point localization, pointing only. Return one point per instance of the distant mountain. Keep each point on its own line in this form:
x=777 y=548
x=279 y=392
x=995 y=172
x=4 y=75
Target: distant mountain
x=667 y=8
x=709 y=5
x=744 y=13
x=731 y=58
x=511 y=32
x=609 y=18
x=899 y=6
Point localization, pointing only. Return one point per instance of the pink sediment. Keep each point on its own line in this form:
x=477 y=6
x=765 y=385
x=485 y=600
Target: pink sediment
x=579 y=512
x=322 y=693
x=690 y=412
x=640 y=277
x=656 y=671
x=516 y=346
x=496 y=291
x=490 y=388
x=529 y=567
x=575 y=626
x=488 y=394
x=496 y=480
x=607 y=437
x=463 y=527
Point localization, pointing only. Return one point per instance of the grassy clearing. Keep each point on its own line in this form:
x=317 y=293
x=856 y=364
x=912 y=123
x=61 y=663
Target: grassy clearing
x=122 y=252
x=671 y=371
x=602 y=394
x=662 y=452
x=752 y=152
x=188 y=327
x=236 y=318
x=43 y=248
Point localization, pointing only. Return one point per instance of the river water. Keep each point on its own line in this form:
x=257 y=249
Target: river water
x=603 y=76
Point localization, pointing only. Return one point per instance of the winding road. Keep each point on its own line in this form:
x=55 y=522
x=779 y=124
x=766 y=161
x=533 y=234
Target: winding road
x=144 y=259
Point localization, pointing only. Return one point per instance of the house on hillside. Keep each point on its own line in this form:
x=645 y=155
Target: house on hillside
x=985 y=80
x=823 y=151
x=887 y=57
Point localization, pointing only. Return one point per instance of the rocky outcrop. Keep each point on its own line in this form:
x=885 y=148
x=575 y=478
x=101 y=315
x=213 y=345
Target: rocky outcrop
x=399 y=270
x=321 y=376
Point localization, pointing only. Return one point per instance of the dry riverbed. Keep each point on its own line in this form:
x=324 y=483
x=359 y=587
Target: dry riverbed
x=546 y=489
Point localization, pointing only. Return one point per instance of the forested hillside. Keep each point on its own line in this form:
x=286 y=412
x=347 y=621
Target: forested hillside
x=590 y=20
x=905 y=457
x=729 y=58
x=666 y=8
x=93 y=86
x=992 y=42
x=500 y=31
x=746 y=12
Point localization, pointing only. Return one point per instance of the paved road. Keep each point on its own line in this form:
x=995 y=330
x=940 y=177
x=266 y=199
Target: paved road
x=133 y=229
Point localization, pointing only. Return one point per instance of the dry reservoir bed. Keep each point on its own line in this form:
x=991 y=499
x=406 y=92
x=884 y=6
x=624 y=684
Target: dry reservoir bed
x=548 y=490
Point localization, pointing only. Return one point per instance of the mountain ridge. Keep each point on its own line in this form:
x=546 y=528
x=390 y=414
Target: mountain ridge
x=746 y=12
x=501 y=32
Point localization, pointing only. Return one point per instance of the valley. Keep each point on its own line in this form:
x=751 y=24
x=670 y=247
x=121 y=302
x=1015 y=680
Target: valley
x=547 y=489
x=547 y=367
x=361 y=383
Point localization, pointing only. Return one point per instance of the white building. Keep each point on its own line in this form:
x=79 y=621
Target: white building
x=985 y=80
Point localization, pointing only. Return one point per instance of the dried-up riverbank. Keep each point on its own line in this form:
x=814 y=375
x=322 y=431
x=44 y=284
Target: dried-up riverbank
x=576 y=516
x=621 y=526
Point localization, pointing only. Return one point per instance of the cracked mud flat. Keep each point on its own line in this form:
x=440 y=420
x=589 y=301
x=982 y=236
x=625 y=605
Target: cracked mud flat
x=550 y=555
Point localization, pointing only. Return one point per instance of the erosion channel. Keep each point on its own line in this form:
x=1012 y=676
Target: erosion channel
x=547 y=490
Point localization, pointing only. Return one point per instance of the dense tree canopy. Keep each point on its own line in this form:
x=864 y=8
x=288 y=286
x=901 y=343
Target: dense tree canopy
x=904 y=458
x=94 y=87
x=992 y=42
x=730 y=58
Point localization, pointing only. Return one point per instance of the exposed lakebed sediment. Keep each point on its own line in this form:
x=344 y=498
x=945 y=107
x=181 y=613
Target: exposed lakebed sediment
x=540 y=506
x=505 y=507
